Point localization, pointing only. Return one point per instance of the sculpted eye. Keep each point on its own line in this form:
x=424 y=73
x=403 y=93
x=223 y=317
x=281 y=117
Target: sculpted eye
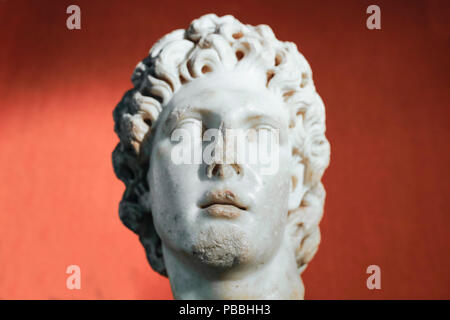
x=265 y=130
x=261 y=132
x=264 y=127
x=187 y=130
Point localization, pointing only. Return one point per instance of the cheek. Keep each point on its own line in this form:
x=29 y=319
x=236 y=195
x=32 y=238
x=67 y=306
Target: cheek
x=271 y=214
x=170 y=185
x=159 y=171
x=161 y=182
x=275 y=193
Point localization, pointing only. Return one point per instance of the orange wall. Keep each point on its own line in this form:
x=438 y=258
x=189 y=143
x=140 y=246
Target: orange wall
x=387 y=99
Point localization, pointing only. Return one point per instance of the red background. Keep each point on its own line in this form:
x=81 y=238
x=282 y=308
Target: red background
x=387 y=99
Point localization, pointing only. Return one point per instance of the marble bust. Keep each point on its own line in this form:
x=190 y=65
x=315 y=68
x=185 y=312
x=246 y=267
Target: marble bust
x=223 y=229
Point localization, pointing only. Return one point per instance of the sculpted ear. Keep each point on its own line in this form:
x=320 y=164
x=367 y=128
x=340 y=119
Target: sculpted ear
x=297 y=189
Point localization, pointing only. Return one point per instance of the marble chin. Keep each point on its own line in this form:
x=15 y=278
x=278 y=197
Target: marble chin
x=222 y=247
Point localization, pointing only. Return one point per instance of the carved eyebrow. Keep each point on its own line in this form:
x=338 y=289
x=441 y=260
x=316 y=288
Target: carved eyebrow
x=179 y=114
x=253 y=115
x=260 y=118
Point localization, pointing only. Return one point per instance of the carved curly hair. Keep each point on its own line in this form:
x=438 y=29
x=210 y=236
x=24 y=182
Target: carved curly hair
x=211 y=44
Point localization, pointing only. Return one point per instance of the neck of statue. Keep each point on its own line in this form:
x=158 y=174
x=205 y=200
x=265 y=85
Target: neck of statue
x=276 y=279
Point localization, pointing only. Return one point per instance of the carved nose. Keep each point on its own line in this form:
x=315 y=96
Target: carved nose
x=223 y=165
x=223 y=171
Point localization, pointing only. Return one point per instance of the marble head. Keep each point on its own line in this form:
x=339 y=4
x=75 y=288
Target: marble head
x=203 y=223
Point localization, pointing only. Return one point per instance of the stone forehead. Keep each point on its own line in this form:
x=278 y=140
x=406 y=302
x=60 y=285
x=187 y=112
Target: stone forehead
x=226 y=91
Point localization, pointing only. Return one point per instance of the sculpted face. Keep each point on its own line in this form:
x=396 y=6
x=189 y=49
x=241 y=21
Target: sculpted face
x=221 y=215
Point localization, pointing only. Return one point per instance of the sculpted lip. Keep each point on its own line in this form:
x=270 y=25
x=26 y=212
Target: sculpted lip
x=223 y=204
x=224 y=211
